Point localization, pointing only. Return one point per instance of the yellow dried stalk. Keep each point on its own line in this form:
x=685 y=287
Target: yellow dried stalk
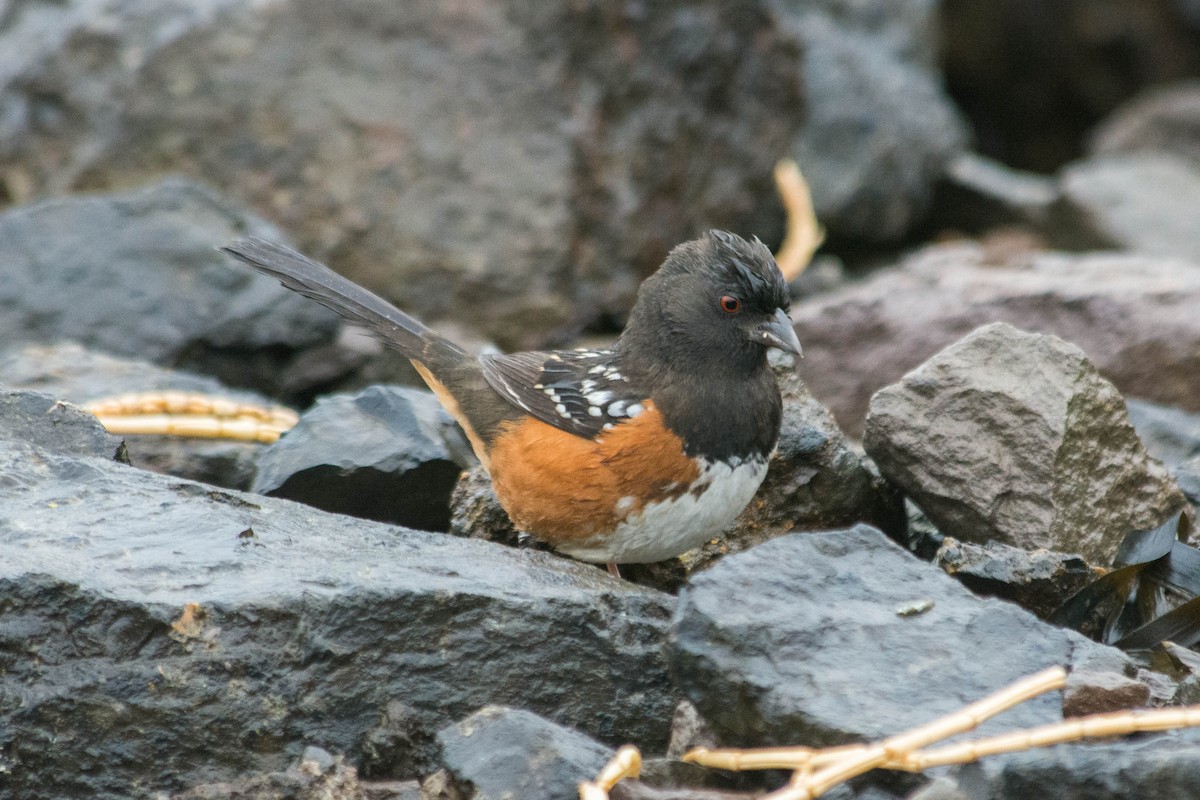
x=191 y=414
x=627 y=763
x=803 y=234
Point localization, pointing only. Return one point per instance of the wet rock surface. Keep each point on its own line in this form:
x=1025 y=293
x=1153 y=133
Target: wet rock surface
x=74 y=373
x=1014 y=437
x=1156 y=767
x=137 y=274
x=225 y=628
x=503 y=752
x=386 y=453
x=808 y=638
x=1038 y=581
x=40 y=421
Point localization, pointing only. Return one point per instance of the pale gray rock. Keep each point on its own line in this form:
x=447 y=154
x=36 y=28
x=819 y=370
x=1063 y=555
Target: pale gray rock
x=1015 y=437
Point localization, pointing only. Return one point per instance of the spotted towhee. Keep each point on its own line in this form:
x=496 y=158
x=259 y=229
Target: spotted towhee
x=630 y=454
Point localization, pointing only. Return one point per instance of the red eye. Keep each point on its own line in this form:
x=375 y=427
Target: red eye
x=730 y=305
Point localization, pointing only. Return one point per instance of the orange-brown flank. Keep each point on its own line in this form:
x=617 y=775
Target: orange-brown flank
x=561 y=487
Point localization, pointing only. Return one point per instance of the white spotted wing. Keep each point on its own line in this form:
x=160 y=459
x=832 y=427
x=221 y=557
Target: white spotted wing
x=580 y=391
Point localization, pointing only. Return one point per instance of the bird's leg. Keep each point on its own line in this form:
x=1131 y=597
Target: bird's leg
x=613 y=570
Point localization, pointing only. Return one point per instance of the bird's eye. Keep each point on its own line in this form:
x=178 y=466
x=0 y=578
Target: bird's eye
x=730 y=304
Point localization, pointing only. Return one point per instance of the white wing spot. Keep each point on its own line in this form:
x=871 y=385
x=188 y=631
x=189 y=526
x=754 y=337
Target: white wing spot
x=595 y=411
x=634 y=410
x=617 y=409
x=599 y=398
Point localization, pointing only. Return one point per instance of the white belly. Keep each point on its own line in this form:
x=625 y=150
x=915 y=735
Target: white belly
x=664 y=530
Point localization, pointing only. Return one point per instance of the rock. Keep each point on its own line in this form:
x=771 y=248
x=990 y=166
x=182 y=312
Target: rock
x=40 y=421
x=820 y=639
x=1162 y=766
x=1014 y=437
x=1137 y=202
x=163 y=634
x=1066 y=64
x=1171 y=435
x=387 y=453
x=74 y=373
x=1100 y=692
x=1162 y=688
x=623 y=131
x=306 y=781
x=509 y=753
x=137 y=274
x=940 y=788
x=1165 y=119
x=1187 y=475
x=1133 y=316
x=976 y=194
x=1038 y=581
x=879 y=129
x=401 y=743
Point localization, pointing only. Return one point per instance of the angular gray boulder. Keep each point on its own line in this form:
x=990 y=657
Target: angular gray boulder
x=827 y=638
x=1015 y=437
x=161 y=634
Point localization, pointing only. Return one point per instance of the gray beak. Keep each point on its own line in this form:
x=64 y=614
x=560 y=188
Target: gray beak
x=778 y=332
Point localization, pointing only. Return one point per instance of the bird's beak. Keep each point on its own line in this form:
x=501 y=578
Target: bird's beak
x=778 y=332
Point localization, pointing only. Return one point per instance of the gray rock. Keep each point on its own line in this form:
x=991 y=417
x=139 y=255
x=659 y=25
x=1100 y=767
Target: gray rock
x=1038 y=581
x=1133 y=315
x=138 y=274
x=387 y=453
x=1066 y=64
x=72 y=372
x=977 y=194
x=508 y=753
x=1015 y=437
x=1171 y=435
x=879 y=128
x=808 y=639
x=1139 y=202
x=41 y=421
x=1165 y=119
x=162 y=634
x=1157 y=767
x=332 y=780
x=1101 y=692
x=621 y=131
x=1187 y=475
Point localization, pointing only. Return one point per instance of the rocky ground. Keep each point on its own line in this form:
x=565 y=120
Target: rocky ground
x=1001 y=381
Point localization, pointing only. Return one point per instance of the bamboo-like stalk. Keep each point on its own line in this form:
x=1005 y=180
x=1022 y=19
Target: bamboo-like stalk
x=172 y=413
x=803 y=234
x=627 y=763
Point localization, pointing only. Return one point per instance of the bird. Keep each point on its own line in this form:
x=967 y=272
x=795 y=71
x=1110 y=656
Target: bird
x=632 y=453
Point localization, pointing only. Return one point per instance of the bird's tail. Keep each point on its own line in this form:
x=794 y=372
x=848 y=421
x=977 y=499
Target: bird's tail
x=316 y=281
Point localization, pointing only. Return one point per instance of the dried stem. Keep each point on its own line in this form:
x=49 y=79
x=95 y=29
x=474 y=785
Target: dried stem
x=803 y=234
x=191 y=414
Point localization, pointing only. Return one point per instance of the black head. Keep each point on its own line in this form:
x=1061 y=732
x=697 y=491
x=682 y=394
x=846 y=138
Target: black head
x=714 y=306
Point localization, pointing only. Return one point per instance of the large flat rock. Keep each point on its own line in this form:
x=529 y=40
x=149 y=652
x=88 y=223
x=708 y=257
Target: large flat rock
x=306 y=625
